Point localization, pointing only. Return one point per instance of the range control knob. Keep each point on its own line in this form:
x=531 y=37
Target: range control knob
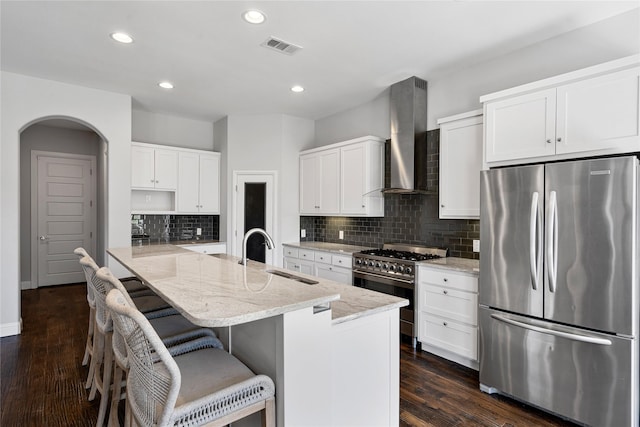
x=358 y=261
x=378 y=265
x=408 y=270
x=392 y=268
x=385 y=266
x=371 y=264
x=400 y=269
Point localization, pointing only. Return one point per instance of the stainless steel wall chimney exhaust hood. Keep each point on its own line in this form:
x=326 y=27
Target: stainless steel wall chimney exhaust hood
x=408 y=114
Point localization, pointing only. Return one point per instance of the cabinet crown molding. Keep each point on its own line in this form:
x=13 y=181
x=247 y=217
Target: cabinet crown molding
x=583 y=73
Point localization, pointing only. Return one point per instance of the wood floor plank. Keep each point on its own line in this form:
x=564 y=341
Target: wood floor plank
x=42 y=380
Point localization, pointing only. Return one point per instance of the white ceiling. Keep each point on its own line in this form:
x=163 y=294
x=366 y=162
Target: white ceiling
x=352 y=50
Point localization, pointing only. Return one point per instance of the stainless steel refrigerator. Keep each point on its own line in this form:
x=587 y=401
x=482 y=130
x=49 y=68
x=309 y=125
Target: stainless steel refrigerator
x=559 y=278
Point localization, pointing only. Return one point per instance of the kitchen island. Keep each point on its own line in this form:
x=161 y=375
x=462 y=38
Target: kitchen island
x=332 y=350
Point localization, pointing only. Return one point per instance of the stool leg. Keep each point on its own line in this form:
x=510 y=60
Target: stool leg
x=96 y=361
x=116 y=394
x=106 y=379
x=88 y=348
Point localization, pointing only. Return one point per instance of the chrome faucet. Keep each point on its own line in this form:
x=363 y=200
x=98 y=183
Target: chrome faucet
x=267 y=240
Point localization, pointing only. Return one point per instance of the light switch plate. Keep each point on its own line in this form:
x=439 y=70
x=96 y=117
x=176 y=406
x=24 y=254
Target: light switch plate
x=476 y=246
x=198 y=231
x=303 y=233
x=340 y=234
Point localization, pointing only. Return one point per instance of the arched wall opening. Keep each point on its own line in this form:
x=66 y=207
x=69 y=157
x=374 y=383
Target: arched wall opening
x=59 y=135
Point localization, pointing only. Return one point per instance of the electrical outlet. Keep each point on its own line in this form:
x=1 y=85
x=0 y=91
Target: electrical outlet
x=147 y=198
x=340 y=234
x=476 y=246
x=303 y=233
x=198 y=231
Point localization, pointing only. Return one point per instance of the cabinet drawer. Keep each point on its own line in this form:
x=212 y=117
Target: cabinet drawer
x=341 y=261
x=448 y=279
x=323 y=257
x=449 y=335
x=449 y=303
x=306 y=254
x=290 y=252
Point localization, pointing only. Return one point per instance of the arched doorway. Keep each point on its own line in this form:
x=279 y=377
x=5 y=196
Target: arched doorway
x=62 y=199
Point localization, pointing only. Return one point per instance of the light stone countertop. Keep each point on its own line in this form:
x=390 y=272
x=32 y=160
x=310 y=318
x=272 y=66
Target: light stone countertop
x=216 y=291
x=328 y=247
x=463 y=265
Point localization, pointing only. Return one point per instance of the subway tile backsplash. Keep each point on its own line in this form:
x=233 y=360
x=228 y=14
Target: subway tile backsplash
x=408 y=218
x=179 y=226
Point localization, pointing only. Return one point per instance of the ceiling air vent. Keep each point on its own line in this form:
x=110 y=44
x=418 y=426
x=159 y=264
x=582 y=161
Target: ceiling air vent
x=281 y=46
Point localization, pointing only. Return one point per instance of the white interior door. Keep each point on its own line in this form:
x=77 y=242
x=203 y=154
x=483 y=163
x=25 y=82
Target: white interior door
x=65 y=217
x=242 y=180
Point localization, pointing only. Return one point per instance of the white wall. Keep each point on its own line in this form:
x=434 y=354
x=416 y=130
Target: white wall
x=459 y=91
x=46 y=138
x=24 y=101
x=171 y=130
x=267 y=142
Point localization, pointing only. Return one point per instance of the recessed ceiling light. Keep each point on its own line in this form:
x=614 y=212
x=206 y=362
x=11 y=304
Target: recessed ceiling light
x=166 y=85
x=297 y=88
x=122 y=37
x=254 y=16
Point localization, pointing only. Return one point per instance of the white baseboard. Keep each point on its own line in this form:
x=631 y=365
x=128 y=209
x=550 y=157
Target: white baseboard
x=26 y=285
x=8 y=329
x=473 y=364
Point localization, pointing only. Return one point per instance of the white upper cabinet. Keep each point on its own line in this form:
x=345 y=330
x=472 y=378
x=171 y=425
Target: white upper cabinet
x=153 y=167
x=199 y=182
x=319 y=182
x=521 y=127
x=599 y=113
x=460 y=165
x=362 y=178
x=589 y=112
x=343 y=179
x=170 y=179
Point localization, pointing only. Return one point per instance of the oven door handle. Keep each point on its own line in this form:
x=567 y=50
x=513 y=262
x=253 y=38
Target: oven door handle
x=403 y=283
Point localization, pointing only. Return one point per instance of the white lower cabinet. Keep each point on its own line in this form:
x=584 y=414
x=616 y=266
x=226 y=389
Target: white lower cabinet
x=447 y=306
x=317 y=263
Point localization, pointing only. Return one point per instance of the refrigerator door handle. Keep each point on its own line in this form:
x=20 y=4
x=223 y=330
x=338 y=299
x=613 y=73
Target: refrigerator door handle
x=535 y=237
x=552 y=241
x=575 y=337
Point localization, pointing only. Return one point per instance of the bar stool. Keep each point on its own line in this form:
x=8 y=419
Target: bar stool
x=207 y=386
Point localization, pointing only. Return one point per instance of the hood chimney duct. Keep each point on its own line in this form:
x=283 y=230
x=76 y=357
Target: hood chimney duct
x=408 y=117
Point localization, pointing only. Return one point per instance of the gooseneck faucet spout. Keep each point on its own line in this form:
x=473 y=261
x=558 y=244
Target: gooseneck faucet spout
x=267 y=240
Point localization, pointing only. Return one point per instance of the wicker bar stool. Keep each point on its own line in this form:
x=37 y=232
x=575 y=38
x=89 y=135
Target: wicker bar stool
x=207 y=386
x=102 y=337
x=134 y=287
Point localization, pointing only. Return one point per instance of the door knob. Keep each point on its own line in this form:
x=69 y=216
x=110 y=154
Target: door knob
x=44 y=237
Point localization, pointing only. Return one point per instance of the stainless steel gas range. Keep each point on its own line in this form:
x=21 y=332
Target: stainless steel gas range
x=391 y=270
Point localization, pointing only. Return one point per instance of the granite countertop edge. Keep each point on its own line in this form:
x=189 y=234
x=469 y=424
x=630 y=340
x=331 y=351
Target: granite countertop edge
x=337 y=248
x=462 y=265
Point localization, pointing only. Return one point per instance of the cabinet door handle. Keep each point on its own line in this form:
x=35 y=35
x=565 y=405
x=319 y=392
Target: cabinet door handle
x=153 y=180
x=549 y=141
x=157 y=182
x=445 y=292
x=444 y=323
x=559 y=139
x=442 y=206
x=445 y=279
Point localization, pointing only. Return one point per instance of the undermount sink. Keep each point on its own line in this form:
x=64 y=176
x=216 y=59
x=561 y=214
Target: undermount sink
x=292 y=277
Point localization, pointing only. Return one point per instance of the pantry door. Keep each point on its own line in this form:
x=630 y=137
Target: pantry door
x=63 y=216
x=254 y=208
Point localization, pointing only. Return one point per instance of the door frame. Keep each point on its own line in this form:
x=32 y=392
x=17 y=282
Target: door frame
x=273 y=175
x=34 y=283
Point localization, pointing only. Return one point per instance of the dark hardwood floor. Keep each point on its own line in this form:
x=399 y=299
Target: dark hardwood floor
x=42 y=381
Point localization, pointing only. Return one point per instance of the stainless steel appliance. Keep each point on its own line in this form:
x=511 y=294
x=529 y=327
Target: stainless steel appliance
x=391 y=270
x=559 y=278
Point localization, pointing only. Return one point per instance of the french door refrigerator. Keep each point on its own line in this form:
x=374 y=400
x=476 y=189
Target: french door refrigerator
x=558 y=298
